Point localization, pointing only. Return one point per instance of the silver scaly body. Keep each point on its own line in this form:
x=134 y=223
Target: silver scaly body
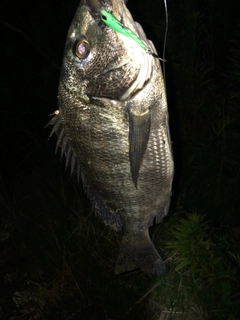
x=112 y=124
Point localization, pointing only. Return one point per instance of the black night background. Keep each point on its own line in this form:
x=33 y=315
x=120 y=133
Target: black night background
x=56 y=258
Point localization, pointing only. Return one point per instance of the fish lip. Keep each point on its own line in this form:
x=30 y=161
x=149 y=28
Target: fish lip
x=94 y=7
x=115 y=7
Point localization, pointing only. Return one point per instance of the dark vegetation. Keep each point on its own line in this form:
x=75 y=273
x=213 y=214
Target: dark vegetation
x=56 y=258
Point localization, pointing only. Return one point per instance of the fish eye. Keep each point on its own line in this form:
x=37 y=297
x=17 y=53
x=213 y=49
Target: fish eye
x=82 y=48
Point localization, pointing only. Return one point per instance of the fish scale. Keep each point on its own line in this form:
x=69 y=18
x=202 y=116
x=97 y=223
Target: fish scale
x=112 y=125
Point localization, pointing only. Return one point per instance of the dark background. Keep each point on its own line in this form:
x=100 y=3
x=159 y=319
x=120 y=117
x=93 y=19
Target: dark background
x=202 y=74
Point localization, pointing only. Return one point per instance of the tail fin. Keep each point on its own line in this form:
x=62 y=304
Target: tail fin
x=139 y=254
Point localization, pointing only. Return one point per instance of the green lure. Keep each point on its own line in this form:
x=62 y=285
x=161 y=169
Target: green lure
x=116 y=25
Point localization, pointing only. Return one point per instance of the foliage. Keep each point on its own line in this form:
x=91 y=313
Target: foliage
x=206 y=258
x=192 y=246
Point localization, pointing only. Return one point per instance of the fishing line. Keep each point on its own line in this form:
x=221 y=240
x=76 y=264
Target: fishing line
x=165 y=40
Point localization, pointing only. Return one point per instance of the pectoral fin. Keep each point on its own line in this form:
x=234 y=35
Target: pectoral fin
x=139 y=129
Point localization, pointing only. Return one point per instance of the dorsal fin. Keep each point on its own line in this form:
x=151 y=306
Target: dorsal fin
x=62 y=142
x=110 y=218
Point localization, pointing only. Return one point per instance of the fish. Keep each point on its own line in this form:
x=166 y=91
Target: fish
x=112 y=125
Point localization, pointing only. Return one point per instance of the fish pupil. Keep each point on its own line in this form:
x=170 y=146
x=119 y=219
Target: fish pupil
x=82 y=49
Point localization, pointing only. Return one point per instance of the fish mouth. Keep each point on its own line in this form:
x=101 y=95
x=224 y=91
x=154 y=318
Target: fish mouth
x=119 y=10
x=94 y=7
x=98 y=5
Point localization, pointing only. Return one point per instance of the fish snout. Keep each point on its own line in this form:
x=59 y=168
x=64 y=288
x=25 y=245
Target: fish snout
x=95 y=6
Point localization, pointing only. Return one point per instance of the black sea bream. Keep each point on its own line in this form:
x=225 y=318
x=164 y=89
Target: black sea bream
x=112 y=125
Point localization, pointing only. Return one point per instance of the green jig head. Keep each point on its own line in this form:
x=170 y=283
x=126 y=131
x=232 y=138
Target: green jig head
x=116 y=25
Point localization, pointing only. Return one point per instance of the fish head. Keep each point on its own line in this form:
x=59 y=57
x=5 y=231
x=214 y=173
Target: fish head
x=100 y=62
